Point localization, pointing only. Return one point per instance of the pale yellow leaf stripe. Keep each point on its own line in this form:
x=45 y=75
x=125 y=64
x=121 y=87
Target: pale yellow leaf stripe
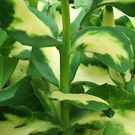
x=79 y=98
x=31 y=125
x=24 y=20
x=102 y=42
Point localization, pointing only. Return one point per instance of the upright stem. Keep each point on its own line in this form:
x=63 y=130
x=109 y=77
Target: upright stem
x=64 y=66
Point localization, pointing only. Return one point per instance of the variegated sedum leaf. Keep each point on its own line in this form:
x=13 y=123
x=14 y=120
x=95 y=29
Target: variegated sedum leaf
x=82 y=101
x=21 y=121
x=29 y=27
x=110 y=45
x=126 y=6
x=122 y=102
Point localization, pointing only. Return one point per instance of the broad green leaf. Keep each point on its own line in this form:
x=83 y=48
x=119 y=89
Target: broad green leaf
x=110 y=45
x=24 y=95
x=34 y=29
x=123 y=103
x=46 y=61
x=82 y=100
x=126 y=6
x=7 y=66
x=19 y=72
x=92 y=70
x=15 y=49
x=3 y=36
x=21 y=121
x=7 y=93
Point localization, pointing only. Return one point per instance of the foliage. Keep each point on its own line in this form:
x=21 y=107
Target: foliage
x=67 y=73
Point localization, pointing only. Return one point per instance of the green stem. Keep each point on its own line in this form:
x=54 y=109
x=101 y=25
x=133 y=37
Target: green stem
x=64 y=66
x=33 y=3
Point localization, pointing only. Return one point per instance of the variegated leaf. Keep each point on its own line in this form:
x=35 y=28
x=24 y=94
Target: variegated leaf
x=30 y=28
x=110 y=45
x=82 y=101
x=21 y=121
x=126 y=6
x=14 y=49
x=46 y=61
x=92 y=70
x=123 y=103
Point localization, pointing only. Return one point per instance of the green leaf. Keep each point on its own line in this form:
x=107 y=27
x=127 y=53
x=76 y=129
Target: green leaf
x=83 y=3
x=125 y=6
x=34 y=29
x=123 y=103
x=124 y=21
x=21 y=121
x=7 y=66
x=46 y=61
x=7 y=93
x=131 y=86
x=130 y=34
x=3 y=36
x=24 y=95
x=110 y=45
x=81 y=100
x=15 y=49
x=92 y=70
x=74 y=63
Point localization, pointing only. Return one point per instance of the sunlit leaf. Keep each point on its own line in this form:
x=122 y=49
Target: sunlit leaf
x=92 y=70
x=30 y=28
x=110 y=45
x=81 y=100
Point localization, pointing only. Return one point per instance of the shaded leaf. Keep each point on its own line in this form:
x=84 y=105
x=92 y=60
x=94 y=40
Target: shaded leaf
x=24 y=95
x=3 y=36
x=20 y=121
x=125 y=6
x=5 y=71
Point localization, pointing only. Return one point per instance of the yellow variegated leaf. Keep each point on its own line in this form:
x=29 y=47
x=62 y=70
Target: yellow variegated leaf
x=110 y=45
x=29 y=27
x=81 y=100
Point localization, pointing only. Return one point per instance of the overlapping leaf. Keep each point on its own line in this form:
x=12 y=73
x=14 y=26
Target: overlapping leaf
x=123 y=103
x=15 y=49
x=34 y=29
x=125 y=6
x=5 y=71
x=21 y=121
x=92 y=70
x=82 y=101
x=110 y=45
x=22 y=93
